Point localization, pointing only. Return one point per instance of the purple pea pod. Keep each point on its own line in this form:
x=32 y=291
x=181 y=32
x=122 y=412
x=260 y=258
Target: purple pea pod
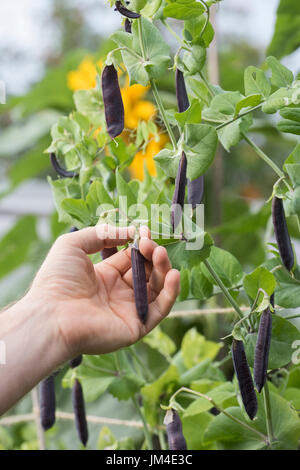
x=139 y=283
x=113 y=103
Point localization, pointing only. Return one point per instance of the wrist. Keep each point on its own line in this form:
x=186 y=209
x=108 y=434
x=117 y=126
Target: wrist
x=34 y=322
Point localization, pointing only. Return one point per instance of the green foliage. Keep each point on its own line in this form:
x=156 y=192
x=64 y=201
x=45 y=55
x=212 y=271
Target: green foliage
x=286 y=37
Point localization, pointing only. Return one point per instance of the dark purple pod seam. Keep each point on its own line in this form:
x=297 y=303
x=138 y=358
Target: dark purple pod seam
x=113 y=103
x=179 y=193
x=47 y=402
x=139 y=283
x=244 y=378
x=125 y=12
x=196 y=191
x=181 y=93
x=79 y=412
x=75 y=362
x=127 y=26
x=59 y=170
x=281 y=233
x=176 y=439
x=262 y=349
x=108 y=252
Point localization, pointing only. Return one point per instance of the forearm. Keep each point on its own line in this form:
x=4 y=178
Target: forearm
x=33 y=349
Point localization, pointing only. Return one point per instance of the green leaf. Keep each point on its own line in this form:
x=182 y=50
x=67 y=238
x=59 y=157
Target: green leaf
x=95 y=374
x=193 y=29
x=168 y=161
x=225 y=265
x=290 y=127
x=201 y=288
x=256 y=82
x=286 y=37
x=279 y=99
x=194 y=61
x=195 y=348
x=89 y=103
x=292 y=395
x=200 y=148
x=126 y=197
x=193 y=428
x=291 y=113
x=223 y=110
x=157 y=52
x=231 y=435
x=125 y=387
x=293 y=170
x=151 y=7
x=260 y=278
x=281 y=76
x=191 y=116
x=284 y=334
x=78 y=211
x=164 y=386
x=249 y=101
x=16 y=244
x=98 y=199
x=181 y=256
x=160 y=341
x=106 y=439
x=183 y=9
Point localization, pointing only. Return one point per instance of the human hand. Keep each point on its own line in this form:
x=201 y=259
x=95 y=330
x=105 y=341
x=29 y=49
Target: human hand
x=93 y=306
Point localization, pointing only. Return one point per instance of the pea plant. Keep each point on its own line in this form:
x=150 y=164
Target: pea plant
x=185 y=392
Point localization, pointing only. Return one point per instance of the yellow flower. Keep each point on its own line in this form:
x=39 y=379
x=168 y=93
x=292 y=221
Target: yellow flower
x=85 y=77
x=137 y=166
x=135 y=108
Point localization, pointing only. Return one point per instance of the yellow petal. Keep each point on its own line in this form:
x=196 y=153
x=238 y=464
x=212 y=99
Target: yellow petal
x=144 y=110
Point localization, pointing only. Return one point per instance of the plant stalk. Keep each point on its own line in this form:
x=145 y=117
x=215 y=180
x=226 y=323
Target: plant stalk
x=224 y=289
x=267 y=404
x=262 y=155
x=146 y=429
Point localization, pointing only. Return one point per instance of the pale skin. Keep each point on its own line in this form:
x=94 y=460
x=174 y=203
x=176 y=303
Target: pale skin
x=74 y=307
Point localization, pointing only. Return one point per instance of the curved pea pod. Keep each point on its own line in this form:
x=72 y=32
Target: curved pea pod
x=244 y=378
x=179 y=193
x=139 y=283
x=181 y=93
x=125 y=12
x=79 y=412
x=281 y=233
x=113 y=104
x=196 y=191
x=127 y=26
x=75 y=362
x=176 y=438
x=47 y=402
x=108 y=252
x=272 y=300
x=59 y=169
x=262 y=349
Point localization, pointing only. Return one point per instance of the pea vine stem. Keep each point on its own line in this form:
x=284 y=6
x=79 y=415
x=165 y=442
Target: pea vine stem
x=267 y=404
x=155 y=90
x=143 y=419
x=263 y=156
x=230 y=416
x=224 y=289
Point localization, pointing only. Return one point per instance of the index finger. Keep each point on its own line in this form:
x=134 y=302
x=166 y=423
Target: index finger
x=93 y=239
